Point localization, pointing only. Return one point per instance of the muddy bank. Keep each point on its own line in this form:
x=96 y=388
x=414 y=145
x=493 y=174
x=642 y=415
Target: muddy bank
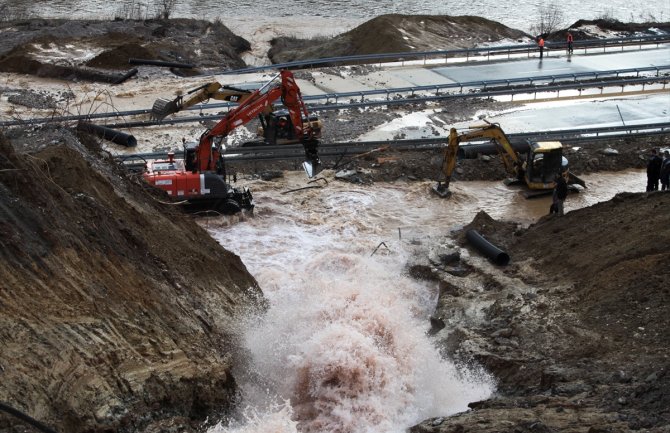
x=404 y=33
x=388 y=165
x=396 y=34
x=574 y=329
x=97 y=50
x=118 y=311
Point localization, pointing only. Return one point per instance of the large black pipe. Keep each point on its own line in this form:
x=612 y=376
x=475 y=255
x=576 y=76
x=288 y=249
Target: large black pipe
x=472 y=151
x=159 y=63
x=125 y=76
x=110 y=134
x=494 y=253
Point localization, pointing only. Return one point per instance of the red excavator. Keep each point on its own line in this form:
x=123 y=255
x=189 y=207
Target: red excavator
x=199 y=180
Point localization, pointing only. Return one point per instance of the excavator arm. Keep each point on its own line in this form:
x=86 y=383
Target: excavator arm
x=493 y=131
x=292 y=100
x=257 y=102
x=164 y=107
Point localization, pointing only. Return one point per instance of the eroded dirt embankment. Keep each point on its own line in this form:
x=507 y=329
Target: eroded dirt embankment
x=96 y=50
x=404 y=33
x=396 y=34
x=117 y=310
x=574 y=329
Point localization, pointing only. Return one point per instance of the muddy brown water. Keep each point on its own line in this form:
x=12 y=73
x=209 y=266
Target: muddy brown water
x=343 y=346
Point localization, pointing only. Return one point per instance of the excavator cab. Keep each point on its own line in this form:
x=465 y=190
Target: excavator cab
x=191 y=156
x=276 y=127
x=544 y=162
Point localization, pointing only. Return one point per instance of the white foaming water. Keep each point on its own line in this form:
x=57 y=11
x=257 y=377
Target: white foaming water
x=343 y=345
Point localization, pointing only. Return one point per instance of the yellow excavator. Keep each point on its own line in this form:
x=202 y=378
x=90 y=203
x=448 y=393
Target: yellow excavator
x=538 y=171
x=214 y=90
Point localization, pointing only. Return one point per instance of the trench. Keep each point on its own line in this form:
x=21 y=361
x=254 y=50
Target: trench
x=343 y=346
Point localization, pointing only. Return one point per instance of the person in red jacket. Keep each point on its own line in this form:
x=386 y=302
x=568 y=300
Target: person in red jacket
x=570 y=42
x=540 y=43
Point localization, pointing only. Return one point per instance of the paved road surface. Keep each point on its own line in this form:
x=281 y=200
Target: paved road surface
x=330 y=82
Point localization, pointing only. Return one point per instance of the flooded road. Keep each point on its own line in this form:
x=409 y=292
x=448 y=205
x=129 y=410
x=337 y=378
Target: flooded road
x=343 y=345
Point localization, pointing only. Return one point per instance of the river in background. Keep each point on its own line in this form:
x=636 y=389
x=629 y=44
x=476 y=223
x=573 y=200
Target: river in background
x=343 y=346
x=318 y=13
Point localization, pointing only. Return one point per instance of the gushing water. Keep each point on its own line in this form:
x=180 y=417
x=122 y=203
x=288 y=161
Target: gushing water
x=344 y=339
x=343 y=345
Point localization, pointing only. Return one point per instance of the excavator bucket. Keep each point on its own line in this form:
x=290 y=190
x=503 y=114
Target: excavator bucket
x=312 y=164
x=163 y=108
x=572 y=180
x=312 y=168
x=442 y=190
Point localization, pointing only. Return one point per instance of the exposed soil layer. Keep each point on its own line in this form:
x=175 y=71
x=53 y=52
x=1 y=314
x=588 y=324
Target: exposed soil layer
x=402 y=33
x=575 y=329
x=117 y=310
x=396 y=34
x=618 y=28
x=96 y=50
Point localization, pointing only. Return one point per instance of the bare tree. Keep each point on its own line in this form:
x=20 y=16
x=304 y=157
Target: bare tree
x=165 y=8
x=132 y=11
x=550 y=19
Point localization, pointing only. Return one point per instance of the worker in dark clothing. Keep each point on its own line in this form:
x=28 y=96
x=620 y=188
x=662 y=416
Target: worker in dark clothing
x=665 y=171
x=540 y=44
x=653 y=170
x=570 y=43
x=560 y=194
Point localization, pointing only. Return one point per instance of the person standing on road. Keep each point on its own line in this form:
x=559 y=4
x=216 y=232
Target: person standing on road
x=570 y=43
x=653 y=170
x=665 y=171
x=540 y=44
x=560 y=194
